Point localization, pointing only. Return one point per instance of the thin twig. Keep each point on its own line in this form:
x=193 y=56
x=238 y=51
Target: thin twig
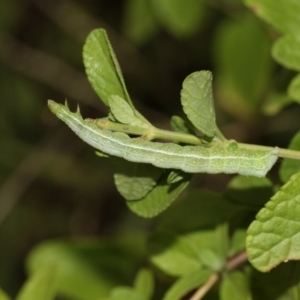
x=232 y=263
x=201 y=292
x=237 y=260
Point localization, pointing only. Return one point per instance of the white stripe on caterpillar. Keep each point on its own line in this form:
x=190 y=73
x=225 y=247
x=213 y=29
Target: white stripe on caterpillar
x=229 y=158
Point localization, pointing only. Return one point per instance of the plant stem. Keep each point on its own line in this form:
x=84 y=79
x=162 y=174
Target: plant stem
x=150 y=132
x=220 y=135
x=288 y=153
x=118 y=127
x=237 y=260
x=231 y=264
x=201 y=292
x=176 y=136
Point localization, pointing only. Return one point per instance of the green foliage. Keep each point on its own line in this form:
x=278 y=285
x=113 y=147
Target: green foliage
x=122 y=111
x=284 y=17
x=160 y=197
x=285 y=51
x=133 y=180
x=186 y=284
x=194 y=255
x=198 y=103
x=241 y=45
x=102 y=67
x=180 y=125
x=294 y=88
x=140 y=23
x=144 y=283
x=125 y=293
x=290 y=166
x=181 y=17
x=274 y=236
x=83 y=269
x=3 y=295
x=235 y=286
x=238 y=243
x=142 y=290
x=41 y=285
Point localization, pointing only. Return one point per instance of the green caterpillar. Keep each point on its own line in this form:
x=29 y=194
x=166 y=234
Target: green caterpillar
x=229 y=158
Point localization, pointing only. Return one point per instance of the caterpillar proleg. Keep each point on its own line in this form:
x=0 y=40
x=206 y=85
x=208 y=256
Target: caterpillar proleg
x=229 y=158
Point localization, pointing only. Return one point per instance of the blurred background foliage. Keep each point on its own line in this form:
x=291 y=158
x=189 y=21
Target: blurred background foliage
x=53 y=186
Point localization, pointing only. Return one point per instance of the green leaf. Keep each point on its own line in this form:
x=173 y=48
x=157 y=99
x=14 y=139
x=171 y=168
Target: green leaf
x=180 y=125
x=282 y=14
x=160 y=197
x=220 y=246
x=250 y=192
x=213 y=252
x=135 y=180
x=3 y=295
x=139 y=21
x=174 y=254
x=208 y=246
x=84 y=268
x=241 y=45
x=294 y=89
x=181 y=18
x=123 y=112
x=103 y=70
x=286 y=51
x=198 y=103
x=274 y=236
x=102 y=67
x=186 y=284
x=237 y=242
x=143 y=288
x=180 y=254
x=41 y=285
x=235 y=286
x=144 y=283
x=211 y=260
x=290 y=166
x=122 y=293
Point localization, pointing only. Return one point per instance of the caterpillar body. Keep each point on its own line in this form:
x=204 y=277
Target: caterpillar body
x=229 y=158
